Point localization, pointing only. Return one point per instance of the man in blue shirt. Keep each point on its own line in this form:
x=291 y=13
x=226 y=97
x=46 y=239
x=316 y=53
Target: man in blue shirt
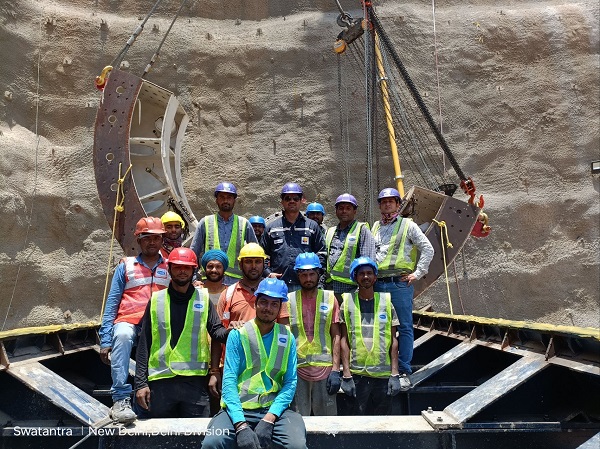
x=256 y=398
x=289 y=235
x=225 y=231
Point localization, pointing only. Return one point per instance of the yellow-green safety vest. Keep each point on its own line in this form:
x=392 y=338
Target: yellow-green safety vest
x=373 y=362
x=396 y=261
x=341 y=270
x=318 y=351
x=236 y=241
x=251 y=386
x=191 y=354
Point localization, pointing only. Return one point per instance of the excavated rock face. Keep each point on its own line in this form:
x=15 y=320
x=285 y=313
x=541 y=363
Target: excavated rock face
x=519 y=92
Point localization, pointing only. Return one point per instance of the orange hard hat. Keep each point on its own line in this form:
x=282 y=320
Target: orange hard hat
x=183 y=256
x=149 y=225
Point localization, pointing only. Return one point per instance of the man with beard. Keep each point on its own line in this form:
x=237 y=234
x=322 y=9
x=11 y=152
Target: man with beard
x=224 y=230
x=316 y=212
x=173 y=354
x=259 y=381
x=134 y=282
x=258 y=224
x=345 y=242
x=236 y=304
x=173 y=238
x=289 y=235
x=369 y=345
x=403 y=256
x=214 y=263
x=314 y=322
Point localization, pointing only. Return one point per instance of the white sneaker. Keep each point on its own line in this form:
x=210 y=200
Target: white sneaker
x=121 y=412
x=405 y=383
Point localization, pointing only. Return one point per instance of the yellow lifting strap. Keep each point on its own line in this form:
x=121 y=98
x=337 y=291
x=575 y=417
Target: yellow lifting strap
x=444 y=233
x=120 y=199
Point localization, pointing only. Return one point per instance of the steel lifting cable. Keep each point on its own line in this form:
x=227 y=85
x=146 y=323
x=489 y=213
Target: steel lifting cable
x=119 y=58
x=369 y=107
x=437 y=74
x=157 y=52
x=35 y=176
x=341 y=110
x=416 y=96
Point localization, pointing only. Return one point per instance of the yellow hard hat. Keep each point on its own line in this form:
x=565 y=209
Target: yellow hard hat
x=252 y=250
x=172 y=216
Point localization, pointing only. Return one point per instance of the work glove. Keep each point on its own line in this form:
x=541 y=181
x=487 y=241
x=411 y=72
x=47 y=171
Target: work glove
x=348 y=386
x=393 y=385
x=334 y=381
x=264 y=432
x=247 y=439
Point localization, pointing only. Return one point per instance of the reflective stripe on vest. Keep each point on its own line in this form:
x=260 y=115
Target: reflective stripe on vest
x=318 y=351
x=191 y=354
x=251 y=386
x=140 y=284
x=374 y=362
x=397 y=261
x=236 y=241
x=341 y=270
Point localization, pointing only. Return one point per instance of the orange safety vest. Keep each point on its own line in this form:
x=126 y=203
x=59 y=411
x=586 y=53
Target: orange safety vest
x=140 y=283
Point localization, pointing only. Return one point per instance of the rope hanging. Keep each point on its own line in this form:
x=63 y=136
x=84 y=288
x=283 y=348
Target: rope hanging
x=444 y=233
x=119 y=200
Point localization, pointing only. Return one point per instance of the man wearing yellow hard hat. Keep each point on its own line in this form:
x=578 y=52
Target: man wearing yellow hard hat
x=173 y=237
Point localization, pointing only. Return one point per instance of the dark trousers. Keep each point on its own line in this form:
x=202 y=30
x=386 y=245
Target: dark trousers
x=371 y=396
x=179 y=397
x=288 y=432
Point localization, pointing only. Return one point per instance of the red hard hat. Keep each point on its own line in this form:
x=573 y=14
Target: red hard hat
x=149 y=225
x=183 y=256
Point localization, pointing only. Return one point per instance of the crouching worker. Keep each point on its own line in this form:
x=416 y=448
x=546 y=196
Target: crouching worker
x=259 y=381
x=173 y=355
x=370 y=322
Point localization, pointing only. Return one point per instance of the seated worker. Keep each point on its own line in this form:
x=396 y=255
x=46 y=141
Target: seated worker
x=369 y=345
x=259 y=382
x=134 y=282
x=314 y=321
x=172 y=363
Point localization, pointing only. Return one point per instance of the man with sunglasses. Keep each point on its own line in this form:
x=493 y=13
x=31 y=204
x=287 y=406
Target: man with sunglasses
x=289 y=235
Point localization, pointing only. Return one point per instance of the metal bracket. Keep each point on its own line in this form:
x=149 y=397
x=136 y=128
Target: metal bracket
x=440 y=420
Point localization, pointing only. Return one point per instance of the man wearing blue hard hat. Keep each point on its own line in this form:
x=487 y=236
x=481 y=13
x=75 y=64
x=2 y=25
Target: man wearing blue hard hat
x=403 y=256
x=369 y=345
x=316 y=212
x=289 y=235
x=314 y=321
x=225 y=231
x=258 y=224
x=345 y=242
x=259 y=381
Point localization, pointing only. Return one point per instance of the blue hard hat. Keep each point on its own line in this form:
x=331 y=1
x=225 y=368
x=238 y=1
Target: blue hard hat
x=273 y=288
x=257 y=219
x=291 y=187
x=307 y=261
x=359 y=262
x=388 y=192
x=226 y=187
x=346 y=198
x=315 y=207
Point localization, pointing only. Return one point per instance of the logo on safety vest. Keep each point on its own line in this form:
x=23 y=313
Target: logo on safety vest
x=351 y=238
x=383 y=317
x=282 y=341
x=324 y=307
x=198 y=306
x=304 y=240
x=161 y=273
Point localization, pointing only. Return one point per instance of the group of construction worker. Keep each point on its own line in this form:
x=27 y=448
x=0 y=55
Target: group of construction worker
x=262 y=321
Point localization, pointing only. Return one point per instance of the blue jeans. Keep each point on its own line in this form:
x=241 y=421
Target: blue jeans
x=402 y=300
x=124 y=337
x=288 y=432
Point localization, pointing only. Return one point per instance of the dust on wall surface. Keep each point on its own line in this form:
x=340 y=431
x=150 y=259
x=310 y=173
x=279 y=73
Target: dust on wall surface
x=519 y=94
